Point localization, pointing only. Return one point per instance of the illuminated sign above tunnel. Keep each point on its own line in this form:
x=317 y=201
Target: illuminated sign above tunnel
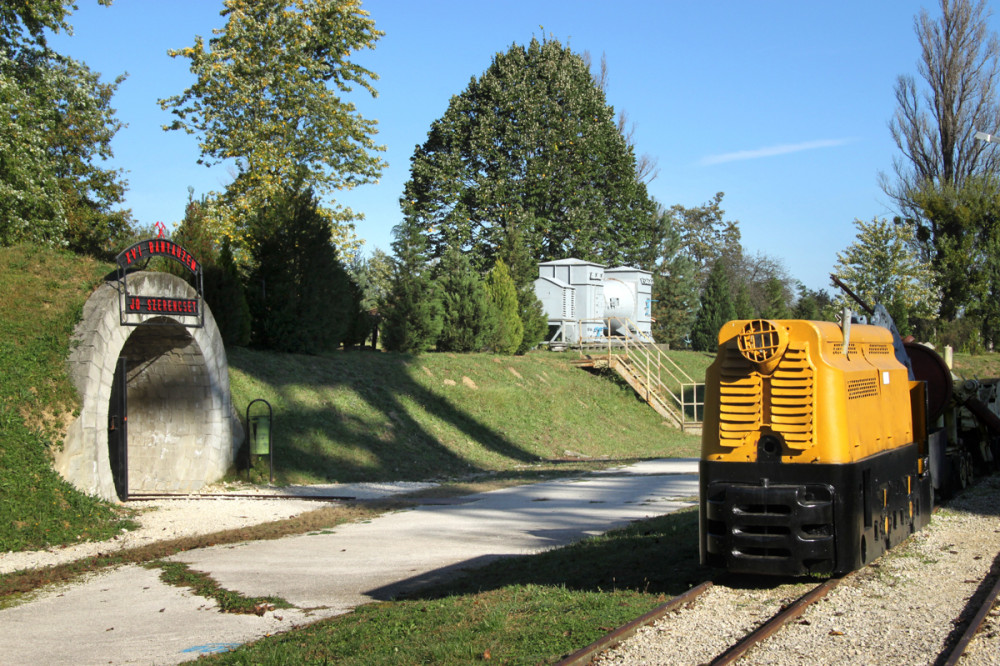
x=139 y=309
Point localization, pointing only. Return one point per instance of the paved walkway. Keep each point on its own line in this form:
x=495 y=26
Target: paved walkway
x=128 y=616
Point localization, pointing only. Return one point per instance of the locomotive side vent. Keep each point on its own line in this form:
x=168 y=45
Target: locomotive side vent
x=866 y=387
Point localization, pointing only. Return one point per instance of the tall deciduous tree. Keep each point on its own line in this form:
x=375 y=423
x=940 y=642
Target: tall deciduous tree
x=532 y=144
x=935 y=123
x=271 y=96
x=59 y=124
x=704 y=233
x=881 y=266
x=966 y=265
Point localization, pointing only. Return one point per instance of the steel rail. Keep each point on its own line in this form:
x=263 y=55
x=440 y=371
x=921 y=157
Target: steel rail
x=138 y=497
x=974 y=626
x=777 y=622
x=587 y=654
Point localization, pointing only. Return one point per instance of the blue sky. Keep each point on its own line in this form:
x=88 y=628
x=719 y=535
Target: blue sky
x=782 y=105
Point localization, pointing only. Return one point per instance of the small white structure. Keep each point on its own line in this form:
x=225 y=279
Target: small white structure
x=586 y=302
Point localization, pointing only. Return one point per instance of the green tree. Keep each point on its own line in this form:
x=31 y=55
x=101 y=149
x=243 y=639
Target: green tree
x=675 y=285
x=742 y=304
x=531 y=144
x=373 y=276
x=523 y=270
x=270 y=96
x=715 y=311
x=467 y=321
x=226 y=295
x=54 y=188
x=881 y=266
x=502 y=293
x=412 y=314
x=814 y=305
x=703 y=233
x=966 y=265
x=298 y=291
x=776 y=301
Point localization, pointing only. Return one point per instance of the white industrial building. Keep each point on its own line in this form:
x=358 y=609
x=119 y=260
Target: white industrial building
x=586 y=302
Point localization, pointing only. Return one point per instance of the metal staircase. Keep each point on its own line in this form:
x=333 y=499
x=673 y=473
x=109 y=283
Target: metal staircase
x=654 y=376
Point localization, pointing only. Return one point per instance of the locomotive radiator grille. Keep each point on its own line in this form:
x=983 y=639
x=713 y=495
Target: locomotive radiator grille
x=792 y=392
x=790 y=397
x=739 y=399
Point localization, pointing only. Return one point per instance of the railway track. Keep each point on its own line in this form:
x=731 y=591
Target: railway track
x=601 y=651
x=787 y=613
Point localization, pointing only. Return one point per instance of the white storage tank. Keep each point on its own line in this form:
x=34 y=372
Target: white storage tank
x=629 y=295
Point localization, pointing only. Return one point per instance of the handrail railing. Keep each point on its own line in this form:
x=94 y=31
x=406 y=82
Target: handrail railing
x=651 y=362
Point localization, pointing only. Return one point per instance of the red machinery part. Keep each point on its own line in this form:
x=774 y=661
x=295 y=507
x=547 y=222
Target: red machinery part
x=928 y=366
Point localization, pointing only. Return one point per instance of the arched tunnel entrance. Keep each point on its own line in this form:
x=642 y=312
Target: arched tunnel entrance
x=156 y=411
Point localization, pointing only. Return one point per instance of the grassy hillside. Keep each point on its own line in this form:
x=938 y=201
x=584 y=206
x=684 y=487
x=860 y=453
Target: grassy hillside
x=41 y=295
x=364 y=415
x=350 y=416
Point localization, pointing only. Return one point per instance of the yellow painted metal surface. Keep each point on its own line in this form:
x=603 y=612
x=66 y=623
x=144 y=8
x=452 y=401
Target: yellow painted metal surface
x=790 y=378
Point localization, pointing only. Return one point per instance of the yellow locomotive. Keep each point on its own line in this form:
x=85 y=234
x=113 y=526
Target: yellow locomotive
x=815 y=451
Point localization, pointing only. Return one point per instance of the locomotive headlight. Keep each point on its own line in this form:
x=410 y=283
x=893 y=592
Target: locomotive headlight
x=763 y=342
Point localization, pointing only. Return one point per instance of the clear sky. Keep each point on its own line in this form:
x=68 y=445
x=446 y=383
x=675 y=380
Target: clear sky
x=781 y=104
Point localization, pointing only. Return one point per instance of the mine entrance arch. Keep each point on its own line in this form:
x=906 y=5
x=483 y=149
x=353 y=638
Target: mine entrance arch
x=176 y=429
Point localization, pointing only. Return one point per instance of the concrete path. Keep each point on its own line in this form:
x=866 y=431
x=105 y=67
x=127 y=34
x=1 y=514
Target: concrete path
x=128 y=616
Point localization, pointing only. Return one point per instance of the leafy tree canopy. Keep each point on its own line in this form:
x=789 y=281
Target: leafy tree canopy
x=60 y=123
x=531 y=144
x=881 y=266
x=270 y=95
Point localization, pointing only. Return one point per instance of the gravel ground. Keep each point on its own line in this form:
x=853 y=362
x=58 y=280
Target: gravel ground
x=161 y=520
x=902 y=609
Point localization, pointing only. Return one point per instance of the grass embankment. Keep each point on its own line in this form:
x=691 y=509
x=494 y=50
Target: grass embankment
x=41 y=295
x=360 y=415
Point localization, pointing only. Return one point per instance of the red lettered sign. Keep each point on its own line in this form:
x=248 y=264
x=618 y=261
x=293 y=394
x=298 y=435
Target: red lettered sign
x=157 y=247
x=160 y=305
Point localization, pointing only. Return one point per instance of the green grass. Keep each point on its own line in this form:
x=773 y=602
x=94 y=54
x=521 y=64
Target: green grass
x=41 y=295
x=360 y=415
x=520 y=610
x=181 y=575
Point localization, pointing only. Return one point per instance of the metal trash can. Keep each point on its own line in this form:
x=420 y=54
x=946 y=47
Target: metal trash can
x=260 y=435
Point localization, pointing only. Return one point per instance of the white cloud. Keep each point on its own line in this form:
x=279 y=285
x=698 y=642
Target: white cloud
x=771 y=151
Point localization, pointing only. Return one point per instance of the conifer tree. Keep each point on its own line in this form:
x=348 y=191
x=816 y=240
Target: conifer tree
x=225 y=294
x=503 y=294
x=715 y=311
x=523 y=270
x=467 y=324
x=412 y=312
x=298 y=290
